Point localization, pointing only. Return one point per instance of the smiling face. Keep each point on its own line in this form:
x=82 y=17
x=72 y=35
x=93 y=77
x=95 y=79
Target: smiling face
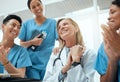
x=66 y=29
x=114 y=17
x=11 y=29
x=36 y=7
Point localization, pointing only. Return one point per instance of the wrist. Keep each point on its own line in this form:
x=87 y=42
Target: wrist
x=4 y=64
x=76 y=63
x=31 y=42
x=65 y=69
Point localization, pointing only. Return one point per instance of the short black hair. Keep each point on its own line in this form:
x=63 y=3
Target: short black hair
x=116 y=2
x=9 y=17
x=29 y=1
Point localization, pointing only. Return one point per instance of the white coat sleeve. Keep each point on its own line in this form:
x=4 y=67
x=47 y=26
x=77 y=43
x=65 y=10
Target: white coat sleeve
x=52 y=72
x=85 y=71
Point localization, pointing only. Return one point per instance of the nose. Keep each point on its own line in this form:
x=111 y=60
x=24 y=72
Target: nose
x=37 y=8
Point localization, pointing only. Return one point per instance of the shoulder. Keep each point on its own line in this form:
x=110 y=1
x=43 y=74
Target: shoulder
x=89 y=51
x=89 y=55
x=101 y=60
x=20 y=49
x=30 y=21
x=101 y=54
x=51 y=20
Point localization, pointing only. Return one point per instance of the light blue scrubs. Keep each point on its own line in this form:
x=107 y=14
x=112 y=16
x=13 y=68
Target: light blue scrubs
x=18 y=57
x=41 y=55
x=102 y=62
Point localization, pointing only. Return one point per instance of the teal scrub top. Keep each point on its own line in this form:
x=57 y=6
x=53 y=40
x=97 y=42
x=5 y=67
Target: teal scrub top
x=18 y=57
x=42 y=54
x=102 y=62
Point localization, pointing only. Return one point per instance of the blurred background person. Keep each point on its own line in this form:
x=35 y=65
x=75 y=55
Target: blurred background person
x=107 y=63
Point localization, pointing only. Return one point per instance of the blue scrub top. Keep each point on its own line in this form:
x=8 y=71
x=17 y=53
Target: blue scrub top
x=102 y=62
x=42 y=54
x=18 y=57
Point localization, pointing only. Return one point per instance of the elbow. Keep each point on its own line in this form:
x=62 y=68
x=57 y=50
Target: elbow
x=22 y=75
x=21 y=43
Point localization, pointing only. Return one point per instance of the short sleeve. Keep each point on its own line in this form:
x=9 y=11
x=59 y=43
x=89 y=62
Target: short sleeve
x=101 y=63
x=24 y=59
x=22 y=33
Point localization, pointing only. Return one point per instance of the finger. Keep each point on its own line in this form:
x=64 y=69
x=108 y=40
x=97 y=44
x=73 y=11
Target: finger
x=104 y=39
x=7 y=51
x=38 y=35
x=107 y=32
x=104 y=28
x=113 y=31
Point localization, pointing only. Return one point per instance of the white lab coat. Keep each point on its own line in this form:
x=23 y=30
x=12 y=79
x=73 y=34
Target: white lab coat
x=83 y=72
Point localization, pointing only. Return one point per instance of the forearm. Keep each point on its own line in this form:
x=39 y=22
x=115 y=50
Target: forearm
x=26 y=43
x=111 y=74
x=16 y=72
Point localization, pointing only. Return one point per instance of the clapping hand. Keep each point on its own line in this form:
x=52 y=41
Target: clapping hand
x=111 y=42
x=3 y=54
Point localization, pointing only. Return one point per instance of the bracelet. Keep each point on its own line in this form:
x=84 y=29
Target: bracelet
x=6 y=63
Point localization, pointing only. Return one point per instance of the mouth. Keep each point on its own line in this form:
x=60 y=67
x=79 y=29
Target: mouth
x=14 y=33
x=39 y=11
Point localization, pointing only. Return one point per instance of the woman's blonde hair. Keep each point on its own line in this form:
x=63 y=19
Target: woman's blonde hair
x=79 y=38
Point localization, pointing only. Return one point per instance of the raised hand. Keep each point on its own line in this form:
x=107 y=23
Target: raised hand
x=111 y=42
x=76 y=52
x=3 y=55
x=37 y=41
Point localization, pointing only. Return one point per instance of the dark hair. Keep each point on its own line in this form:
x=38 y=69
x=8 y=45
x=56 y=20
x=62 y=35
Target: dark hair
x=9 y=17
x=116 y=2
x=29 y=1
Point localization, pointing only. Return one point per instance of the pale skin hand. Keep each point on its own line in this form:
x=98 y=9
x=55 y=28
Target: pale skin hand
x=75 y=54
x=56 y=50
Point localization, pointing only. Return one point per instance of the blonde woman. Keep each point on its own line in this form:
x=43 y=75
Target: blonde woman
x=74 y=62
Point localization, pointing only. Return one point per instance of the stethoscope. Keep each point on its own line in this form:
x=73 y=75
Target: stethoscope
x=58 y=58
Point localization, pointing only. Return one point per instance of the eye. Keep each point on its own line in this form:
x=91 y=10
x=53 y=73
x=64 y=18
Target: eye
x=33 y=7
x=65 y=24
x=38 y=4
x=15 y=25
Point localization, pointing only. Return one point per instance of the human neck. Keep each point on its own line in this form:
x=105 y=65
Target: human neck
x=7 y=43
x=40 y=20
x=70 y=43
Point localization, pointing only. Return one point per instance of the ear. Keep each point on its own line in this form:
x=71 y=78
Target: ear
x=76 y=29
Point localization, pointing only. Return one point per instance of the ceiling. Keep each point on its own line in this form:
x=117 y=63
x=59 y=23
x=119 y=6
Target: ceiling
x=52 y=9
